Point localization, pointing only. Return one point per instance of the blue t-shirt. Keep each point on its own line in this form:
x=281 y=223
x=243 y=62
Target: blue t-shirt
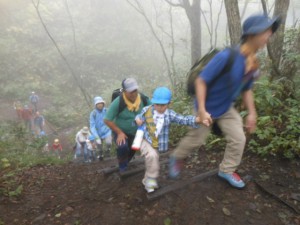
x=225 y=89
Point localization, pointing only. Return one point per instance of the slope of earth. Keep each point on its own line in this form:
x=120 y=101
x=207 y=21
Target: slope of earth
x=77 y=193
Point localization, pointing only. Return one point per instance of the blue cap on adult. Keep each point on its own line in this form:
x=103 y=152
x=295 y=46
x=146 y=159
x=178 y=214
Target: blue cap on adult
x=161 y=95
x=257 y=24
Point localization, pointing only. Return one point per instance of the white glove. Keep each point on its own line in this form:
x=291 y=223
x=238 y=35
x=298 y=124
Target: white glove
x=98 y=141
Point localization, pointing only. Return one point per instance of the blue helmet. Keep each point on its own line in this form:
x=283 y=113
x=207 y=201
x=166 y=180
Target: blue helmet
x=92 y=138
x=161 y=95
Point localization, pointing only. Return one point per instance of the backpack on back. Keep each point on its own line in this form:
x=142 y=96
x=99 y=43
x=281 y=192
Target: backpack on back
x=119 y=93
x=201 y=63
x=197 y=69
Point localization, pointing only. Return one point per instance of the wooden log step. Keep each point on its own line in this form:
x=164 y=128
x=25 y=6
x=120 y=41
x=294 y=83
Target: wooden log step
x=131 y=172
x=180 y=184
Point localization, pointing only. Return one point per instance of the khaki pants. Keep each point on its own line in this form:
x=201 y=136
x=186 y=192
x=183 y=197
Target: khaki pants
x=151 y=160
x=231 y=125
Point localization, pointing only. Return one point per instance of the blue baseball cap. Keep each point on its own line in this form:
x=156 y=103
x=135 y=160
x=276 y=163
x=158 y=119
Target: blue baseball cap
x=161 y=95
x=257 y=24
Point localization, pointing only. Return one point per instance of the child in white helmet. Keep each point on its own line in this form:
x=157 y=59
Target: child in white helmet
x=156 y=120
x=99 y=130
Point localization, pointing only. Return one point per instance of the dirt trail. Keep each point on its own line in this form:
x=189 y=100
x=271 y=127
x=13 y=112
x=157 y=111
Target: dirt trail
x=77 y=194
x=74 y=193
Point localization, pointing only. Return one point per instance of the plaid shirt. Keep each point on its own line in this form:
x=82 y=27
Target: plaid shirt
x=170 y=117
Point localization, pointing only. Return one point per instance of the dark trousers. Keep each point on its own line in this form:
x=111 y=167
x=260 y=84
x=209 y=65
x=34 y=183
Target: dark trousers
x=124 y=152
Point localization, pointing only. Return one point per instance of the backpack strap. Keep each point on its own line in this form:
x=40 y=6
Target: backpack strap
x=122 y=104
x=144 y=99
x=228 y=65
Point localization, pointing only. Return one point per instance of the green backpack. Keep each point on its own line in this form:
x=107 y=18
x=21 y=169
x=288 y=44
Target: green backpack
x=201 y=63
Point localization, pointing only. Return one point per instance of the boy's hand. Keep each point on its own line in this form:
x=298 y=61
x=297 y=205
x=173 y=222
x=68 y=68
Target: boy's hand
x=205 y=118
x=138 y=121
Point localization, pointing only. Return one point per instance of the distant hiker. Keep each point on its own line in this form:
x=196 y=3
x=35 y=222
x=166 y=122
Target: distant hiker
x=39 y=123
x=57 y=148
x=91 y=147
x=99 y=129
x=34 y=99
x=122 y=122
x=81 y=138
x=27 y=117
x=19 y=108
x=157 y=119
x=215 y=98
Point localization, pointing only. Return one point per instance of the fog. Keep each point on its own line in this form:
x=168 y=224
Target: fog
x=102 y=42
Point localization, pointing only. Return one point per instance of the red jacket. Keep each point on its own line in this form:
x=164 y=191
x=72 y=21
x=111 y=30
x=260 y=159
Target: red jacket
x=56 y=147
x=26 y=114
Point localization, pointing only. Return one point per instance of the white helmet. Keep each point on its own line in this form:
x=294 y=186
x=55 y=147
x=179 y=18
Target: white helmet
x=98 y=100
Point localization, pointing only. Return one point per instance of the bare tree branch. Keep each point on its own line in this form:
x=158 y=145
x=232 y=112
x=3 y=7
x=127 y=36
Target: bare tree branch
x=264 y=6
x=140 y=10
x=244 y=9
x=211 y=23
x=36 y=6
x=174 y=4
x=157 y=23
x=206 y=22
x=172 y=43
x=217 y=24
x=72 y=24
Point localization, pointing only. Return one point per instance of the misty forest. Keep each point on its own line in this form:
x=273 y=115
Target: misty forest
x=57 y=56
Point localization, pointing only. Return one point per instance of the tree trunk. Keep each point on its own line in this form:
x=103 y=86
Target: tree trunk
x=234 y=21
x=275 y=46
x=281 y=8
x=193 y=14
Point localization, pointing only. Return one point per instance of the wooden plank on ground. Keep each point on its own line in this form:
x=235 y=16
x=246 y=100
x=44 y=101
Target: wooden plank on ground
x=113 y=169
x=180 y=184
x=131 y=172
x=137 y=170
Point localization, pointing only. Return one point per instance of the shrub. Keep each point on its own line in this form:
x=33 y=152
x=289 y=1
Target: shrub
x=278 y=123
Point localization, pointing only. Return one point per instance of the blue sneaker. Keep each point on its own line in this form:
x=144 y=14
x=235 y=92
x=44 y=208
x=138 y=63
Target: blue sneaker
x=175 y=166
x=233 y=179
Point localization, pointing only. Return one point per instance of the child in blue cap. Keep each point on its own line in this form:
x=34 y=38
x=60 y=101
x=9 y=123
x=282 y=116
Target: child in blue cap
x=157 y=119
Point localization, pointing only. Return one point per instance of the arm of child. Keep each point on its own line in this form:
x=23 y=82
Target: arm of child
x=140 y=118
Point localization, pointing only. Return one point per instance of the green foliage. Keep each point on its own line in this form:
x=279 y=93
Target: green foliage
x=167 y=221
x=17 y=192
x=18 y=150
x=181 y=103
x=278 y=123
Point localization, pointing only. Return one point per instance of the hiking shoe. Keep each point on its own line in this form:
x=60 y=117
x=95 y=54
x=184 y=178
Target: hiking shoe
x=233 y=179
x=175 y=167
x=150 y=184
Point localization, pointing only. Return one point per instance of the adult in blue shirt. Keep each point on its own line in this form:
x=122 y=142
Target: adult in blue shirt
x=215 y=96
x=99 y=129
